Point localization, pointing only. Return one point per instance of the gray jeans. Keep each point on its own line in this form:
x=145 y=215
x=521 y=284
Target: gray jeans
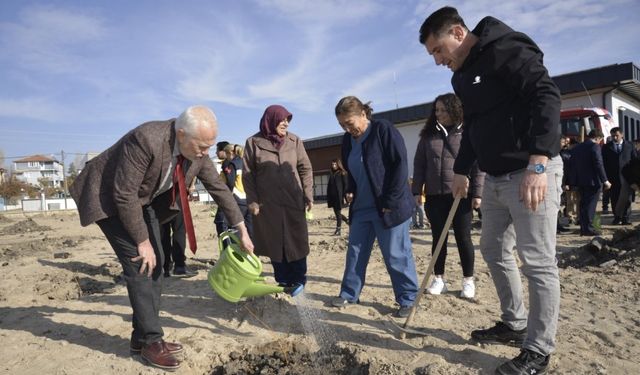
x=506 y=224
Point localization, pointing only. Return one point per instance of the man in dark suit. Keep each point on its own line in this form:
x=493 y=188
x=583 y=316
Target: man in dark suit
x=616 y=154
x=129 y=191
x=586 y=172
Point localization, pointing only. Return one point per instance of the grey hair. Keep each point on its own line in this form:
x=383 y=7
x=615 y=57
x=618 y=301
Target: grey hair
x=193 y=117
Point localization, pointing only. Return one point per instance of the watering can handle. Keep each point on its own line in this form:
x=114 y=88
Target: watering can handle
x=230 y=235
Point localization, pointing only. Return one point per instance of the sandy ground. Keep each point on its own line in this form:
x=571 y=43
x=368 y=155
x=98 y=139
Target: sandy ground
x=64 y=310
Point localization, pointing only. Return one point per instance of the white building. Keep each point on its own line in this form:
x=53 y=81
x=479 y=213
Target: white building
x=34 y=168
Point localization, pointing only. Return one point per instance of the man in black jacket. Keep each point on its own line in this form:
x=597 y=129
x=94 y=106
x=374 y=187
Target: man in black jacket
x=586 y=172
x=512 y=116
x=615 y=155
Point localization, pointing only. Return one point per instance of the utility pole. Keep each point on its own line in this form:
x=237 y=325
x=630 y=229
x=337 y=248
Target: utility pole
x=64 y=180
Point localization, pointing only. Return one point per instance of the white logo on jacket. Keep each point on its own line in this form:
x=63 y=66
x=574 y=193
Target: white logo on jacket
x=476 y=80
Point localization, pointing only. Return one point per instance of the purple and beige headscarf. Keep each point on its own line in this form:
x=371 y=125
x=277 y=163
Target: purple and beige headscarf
x=272 y=116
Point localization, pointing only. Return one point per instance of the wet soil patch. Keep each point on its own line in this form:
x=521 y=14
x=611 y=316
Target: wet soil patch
x=622 y=248
x=289 y=358
x=25 y=226
x=73 y=280
x=58 y=247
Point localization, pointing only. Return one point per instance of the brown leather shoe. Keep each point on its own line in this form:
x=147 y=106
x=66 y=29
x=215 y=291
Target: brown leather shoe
x=157 y=355
x=172 y=347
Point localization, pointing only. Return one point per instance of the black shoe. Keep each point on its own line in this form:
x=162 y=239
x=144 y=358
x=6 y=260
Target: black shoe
x=183 y=272
x=167 y=273
x=403 y=311
x=605 y=210
x=526 y=363
x=625 y=222
x=563 y=229
x=616 y=221
x=500 y=334
x=337 y=232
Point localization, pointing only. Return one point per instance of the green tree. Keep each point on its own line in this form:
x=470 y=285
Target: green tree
x=13 y=189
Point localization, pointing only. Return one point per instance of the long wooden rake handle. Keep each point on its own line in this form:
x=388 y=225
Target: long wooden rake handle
x=436 y=253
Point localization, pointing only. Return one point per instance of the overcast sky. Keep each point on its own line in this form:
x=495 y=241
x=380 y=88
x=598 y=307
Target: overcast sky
x=77 y=75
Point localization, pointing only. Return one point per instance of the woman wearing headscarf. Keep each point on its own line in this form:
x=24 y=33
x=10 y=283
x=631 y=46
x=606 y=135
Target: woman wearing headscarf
x=433 y=170
x=278 y=182
x=374 y=154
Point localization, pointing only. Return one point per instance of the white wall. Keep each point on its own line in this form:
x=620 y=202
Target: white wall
x=411 y=134
x=48 y=204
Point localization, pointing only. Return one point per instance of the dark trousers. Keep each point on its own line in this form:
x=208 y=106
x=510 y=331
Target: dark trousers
x=144 y=291
x=220 y=221
x=289 y=273
x=248 y=218
x=588 y=201
x=437 y=209
x=173 y=242
x=615 y=194
x=606 y=197
x=337 y=212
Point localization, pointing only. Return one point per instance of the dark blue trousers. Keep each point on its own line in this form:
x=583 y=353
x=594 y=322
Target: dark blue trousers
x=290 y=273
x=588 y=201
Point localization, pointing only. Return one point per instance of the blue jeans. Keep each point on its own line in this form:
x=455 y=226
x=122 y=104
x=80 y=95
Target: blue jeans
x=506 y=224
x=395 y=245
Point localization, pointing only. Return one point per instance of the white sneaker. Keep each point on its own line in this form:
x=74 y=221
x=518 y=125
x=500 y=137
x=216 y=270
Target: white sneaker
x=468 y=289
x=437 y=286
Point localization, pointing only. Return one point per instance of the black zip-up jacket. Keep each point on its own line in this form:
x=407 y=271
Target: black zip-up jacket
x=433 y=165
x=511 y=105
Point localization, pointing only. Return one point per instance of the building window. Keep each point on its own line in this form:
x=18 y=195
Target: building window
x=320 y=183
x=630 y=124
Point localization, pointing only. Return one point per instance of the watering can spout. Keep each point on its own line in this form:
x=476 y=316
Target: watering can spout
x=258 y=288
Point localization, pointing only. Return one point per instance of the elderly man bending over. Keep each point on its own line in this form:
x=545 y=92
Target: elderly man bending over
x=132 y=188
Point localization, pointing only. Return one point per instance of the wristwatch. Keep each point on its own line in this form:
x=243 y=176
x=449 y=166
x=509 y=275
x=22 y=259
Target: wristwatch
x=536 y=168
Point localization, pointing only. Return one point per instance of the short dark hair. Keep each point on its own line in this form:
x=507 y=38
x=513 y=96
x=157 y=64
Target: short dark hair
x=221 y=145
x=615 y=130
x=595 y=133
x=439 y=21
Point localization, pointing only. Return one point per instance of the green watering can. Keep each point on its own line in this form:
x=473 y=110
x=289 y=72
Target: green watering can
x=237 y=274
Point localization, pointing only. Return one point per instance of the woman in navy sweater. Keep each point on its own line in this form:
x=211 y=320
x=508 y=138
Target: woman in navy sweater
x=374 y=154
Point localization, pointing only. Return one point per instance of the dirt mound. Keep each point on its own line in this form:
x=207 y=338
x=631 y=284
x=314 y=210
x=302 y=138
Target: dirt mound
x=331 y=244
x=25 y=226
x=623 y=247
x=284 y=357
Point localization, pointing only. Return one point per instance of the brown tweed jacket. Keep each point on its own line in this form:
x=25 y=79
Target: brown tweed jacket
x=122 y=179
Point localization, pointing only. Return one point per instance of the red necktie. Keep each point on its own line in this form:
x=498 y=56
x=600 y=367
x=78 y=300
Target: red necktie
x=178 y=179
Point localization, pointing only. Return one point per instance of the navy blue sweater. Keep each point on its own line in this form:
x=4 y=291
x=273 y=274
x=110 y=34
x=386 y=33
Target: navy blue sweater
x=385 y=160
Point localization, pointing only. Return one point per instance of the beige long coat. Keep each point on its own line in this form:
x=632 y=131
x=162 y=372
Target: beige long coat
x=281 y=182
